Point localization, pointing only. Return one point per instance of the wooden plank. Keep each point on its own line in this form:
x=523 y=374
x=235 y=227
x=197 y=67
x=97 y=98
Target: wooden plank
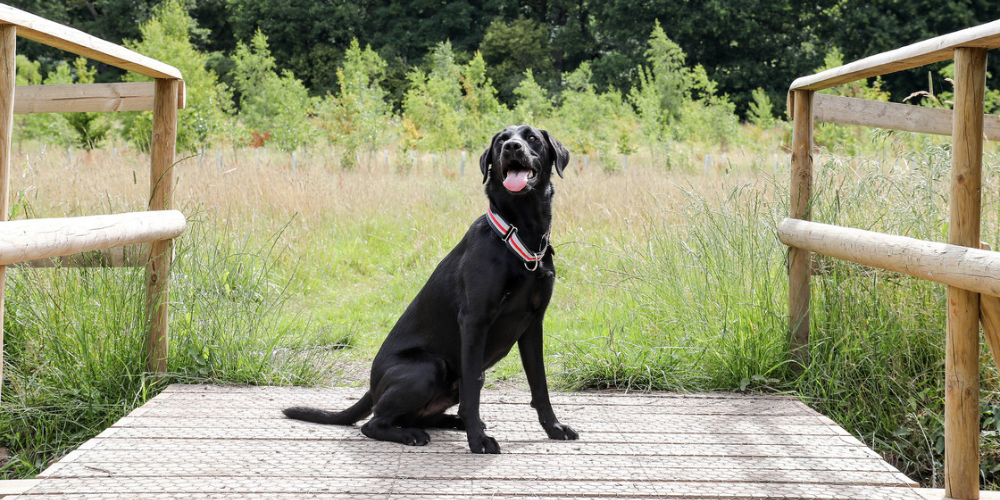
x=85 y=97
x=8 y=75
x=72 y=40
x=24 y=240
x=162 y=151
x=986 y=36
x=17 y=486
x=800 y=188
x=971 y=269
x=126 y=256
x=961 y=402
x=893 y=116
x=146 y=456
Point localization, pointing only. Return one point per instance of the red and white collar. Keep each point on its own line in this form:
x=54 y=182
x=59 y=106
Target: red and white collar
x=508 y=234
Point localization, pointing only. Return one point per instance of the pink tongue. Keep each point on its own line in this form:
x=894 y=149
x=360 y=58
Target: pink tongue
x=516 y=180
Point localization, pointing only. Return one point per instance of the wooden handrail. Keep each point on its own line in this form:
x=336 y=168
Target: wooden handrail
x=985 y=36
x=72 y=40
x=971 y=269
x=31 y=239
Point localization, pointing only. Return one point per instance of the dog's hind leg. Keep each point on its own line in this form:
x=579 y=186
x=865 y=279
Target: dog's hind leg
x=412 y=394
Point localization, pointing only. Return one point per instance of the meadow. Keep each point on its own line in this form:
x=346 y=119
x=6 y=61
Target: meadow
x=668 y=279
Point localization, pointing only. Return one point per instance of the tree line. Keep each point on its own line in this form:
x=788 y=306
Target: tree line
x=439 y=76
x=743 y=45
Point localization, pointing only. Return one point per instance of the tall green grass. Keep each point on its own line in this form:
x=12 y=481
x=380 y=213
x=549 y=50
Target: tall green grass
x=74 y=345
x=703 y=306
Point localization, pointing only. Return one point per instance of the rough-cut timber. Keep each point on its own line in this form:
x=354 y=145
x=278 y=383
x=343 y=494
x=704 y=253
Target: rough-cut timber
x=893 y=116
x=86 y=97
x=233 y=443
x=30 y=239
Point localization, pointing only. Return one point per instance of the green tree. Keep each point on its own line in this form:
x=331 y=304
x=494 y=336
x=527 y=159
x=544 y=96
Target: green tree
x=433 y=105
x=511 y=48
x=167 y=38
x=483 y=114
x=593 y=121
x=761 y=110
x=360 y=117
x=533 y=103
x=275 y=107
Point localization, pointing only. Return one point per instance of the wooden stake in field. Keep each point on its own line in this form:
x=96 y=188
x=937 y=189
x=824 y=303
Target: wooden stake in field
x=8 y=71
x=961 y=407
x=801 y=191
x=160 y=196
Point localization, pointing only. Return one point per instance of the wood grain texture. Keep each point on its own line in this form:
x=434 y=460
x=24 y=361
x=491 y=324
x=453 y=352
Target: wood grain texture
x=893 y=116
x=972 y=269
x=986 y=36
x=85 y=97
x=800 y=188
x=25 y=240
x=989 y=319
x=77 y=42
x=8 y=73
x=961 y=424
x=162 y=151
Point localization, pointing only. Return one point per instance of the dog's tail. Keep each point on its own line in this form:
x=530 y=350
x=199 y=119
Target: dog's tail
x=356 y=412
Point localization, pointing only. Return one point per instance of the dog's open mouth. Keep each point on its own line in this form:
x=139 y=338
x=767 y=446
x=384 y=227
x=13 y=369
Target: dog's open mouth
x=517 y=177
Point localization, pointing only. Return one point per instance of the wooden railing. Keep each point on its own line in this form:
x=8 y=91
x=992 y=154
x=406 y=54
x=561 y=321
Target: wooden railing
x=961 y=264
x=28 y=240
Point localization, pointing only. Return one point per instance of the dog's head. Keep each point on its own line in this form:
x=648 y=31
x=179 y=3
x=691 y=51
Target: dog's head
x=520 y=158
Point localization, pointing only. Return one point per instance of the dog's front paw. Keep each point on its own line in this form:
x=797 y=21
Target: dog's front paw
x=484 y=445
x=416 y=437
x=561 y=432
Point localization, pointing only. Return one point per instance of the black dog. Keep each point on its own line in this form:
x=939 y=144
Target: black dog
x=489 y=293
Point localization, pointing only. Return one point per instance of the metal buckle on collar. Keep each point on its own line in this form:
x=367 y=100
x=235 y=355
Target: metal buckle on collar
x=510 y=233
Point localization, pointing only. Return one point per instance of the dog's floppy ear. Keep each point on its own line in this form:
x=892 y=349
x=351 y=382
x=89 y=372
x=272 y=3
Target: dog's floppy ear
x=560 y=152
x=487 y=158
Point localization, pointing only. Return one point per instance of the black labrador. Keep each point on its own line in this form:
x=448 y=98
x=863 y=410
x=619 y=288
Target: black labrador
x=489 y=293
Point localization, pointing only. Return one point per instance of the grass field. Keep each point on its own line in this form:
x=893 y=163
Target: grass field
x=667 y=280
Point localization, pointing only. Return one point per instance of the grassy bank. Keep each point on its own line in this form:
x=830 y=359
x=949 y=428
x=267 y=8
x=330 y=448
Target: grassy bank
x=667 y=280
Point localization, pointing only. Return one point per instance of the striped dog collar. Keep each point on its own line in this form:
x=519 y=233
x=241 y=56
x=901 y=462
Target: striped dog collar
x=508 y=234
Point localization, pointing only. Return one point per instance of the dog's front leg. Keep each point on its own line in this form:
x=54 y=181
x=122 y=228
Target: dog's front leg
x=530 y=346
x=473 y=350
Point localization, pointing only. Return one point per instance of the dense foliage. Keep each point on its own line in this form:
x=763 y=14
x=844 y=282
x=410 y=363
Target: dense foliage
x=741 y=45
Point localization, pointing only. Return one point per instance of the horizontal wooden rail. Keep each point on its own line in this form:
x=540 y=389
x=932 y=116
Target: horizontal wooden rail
x=941 y=48
x=891 y=115
x=26 y=240
x=971 y=269
x=72 y=40
x=86 y=97
x=126 y=256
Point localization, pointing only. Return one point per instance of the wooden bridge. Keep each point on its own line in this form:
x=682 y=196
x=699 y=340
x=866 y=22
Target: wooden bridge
x=234 y=443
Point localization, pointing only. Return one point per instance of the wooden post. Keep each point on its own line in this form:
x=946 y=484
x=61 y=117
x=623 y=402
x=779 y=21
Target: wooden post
x=961 y=407
x=162 y=151
x=8 y=70
x=800 y=188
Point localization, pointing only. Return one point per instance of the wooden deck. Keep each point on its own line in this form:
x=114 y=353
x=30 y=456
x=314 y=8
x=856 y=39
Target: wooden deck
x=233 y=443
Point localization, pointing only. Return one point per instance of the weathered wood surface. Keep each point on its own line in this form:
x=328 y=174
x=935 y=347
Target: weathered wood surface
x=86 y=97
x=73 y=40
x=961 y=396
x=799 y=259
x=8 y=73
x=968 y=268
x=25 y=240
x=233 y=443
x=986 y=36
x=892 y=115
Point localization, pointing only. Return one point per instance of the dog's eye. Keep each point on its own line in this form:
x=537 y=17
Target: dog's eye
x=531 y=138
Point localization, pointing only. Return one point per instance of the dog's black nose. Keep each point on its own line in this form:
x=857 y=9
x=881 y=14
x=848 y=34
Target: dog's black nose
x=512 y=145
